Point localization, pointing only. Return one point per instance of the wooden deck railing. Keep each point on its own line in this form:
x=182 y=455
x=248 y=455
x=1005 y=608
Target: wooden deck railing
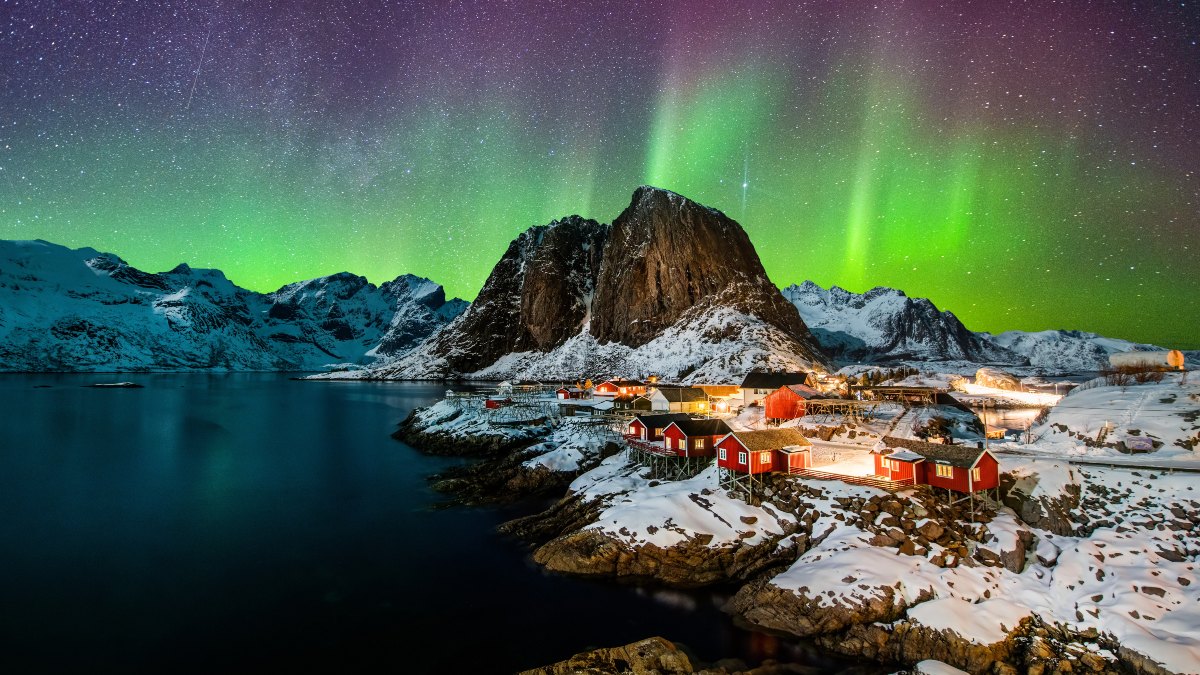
x=870 y=481
x=651 y=448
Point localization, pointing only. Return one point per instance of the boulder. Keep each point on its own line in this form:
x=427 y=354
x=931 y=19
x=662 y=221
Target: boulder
x=652 y=655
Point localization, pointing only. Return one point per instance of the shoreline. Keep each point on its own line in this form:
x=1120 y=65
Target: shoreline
x=569 y=538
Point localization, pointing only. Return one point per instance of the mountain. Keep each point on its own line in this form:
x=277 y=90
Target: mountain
x=884 y=324
x=1065 y=350
x=670 y=288
x=69 y=310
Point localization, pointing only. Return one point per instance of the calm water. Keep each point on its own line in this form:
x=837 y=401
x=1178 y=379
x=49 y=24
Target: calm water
x=234 y=522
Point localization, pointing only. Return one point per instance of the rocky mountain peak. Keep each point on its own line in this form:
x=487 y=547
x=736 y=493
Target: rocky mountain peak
x=669 y=275
x=667 y=254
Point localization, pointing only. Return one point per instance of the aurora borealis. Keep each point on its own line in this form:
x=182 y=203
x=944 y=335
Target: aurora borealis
x=1025 y=165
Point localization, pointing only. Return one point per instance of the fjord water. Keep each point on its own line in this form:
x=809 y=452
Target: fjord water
x=245 y=521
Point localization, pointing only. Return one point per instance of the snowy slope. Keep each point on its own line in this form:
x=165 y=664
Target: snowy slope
x=1102 y=420
x=68 y=310
x=1068 y=350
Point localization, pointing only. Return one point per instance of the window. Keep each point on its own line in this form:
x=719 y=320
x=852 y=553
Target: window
x=888 y=464
x=976 y=474
x=721 y=453
x=945 y=471
x=741 y=458
x=657 y=432
x=697 y=443
x=764 y=457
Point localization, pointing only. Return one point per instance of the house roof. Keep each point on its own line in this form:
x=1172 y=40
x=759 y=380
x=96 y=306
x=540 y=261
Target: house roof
x=661 y=420
x=570 y=389
x=718 y=389
x=772 y=380
x=963 y=456
x=906 y=456
x=691 y=427
x=625 y=383
x=770 y=439
x=801 y=390
x=683 y=394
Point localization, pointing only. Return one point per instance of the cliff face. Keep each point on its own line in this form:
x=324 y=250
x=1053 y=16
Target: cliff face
x=536 y=297
x=671 y=287
x=668 y=254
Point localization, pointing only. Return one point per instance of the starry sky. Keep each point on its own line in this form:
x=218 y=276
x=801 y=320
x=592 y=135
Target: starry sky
x=1027 y=165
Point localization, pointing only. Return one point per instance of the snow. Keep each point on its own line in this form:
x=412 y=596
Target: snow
x=1066 y=350
x=1167 y=413
x=713 y=346
x=931 y=667
x=983 y=623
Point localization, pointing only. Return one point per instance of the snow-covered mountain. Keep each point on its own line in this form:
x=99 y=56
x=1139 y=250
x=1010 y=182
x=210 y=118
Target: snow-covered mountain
x=670 y=288
x=884 y=324
x=67 y=310
x=1066 y=350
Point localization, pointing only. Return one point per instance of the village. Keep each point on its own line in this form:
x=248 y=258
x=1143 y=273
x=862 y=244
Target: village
x=898 y=435
x=982 y=513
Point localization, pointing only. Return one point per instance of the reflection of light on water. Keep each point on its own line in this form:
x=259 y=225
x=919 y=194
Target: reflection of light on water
x=673 y=599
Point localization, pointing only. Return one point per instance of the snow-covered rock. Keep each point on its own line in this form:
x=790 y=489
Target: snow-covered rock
x=82 y=310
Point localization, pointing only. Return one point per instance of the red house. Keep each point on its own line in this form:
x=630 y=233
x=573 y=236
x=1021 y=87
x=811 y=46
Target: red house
x=788 y=401
x=495 y=403
x=694 y=438
x=897 y=465
x=755 y=452
x=565 y=393
x=617 y=387
x=959 y=468
x=651 y=427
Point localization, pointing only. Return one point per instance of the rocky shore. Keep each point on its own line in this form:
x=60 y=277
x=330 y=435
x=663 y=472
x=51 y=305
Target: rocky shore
x=891 y=577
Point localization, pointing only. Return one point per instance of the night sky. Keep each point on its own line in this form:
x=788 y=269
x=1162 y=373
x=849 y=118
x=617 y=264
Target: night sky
x=1027 y=165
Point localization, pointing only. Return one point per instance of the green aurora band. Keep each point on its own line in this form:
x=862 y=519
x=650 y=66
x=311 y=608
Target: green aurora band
x=862 y=181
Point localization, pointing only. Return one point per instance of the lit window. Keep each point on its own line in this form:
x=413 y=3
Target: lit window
x=945 y=471
x=887 y=464
x=976 y=474
x=721 y=453
x=697 y=443
x=741 y=458
x=764 y=457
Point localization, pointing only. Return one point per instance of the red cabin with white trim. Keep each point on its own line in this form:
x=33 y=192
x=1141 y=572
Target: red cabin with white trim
x=901 y=466
x=959 y=468
x=565 y=393
x=694 y=438
x=755 y=452
x=651 y=427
